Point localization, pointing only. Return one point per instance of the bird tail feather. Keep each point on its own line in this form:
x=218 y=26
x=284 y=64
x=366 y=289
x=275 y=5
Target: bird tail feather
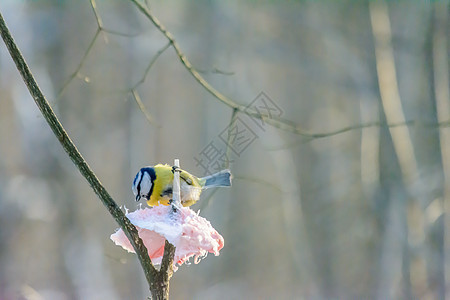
x=222 y=178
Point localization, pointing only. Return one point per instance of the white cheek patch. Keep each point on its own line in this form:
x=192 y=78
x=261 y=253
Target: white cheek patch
x=136 y=182
x=146 y=184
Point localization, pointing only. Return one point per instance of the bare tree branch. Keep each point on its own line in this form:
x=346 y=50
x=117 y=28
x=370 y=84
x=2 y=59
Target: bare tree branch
x=275 y=121
x=442 y=95
x=97 y=16
x=216 y=71
x=142 y=107
x=150 y=65
x=70 y=148
x=135 y=93
x=100 y=22
x=146 y=11
x=390 y=94
x=77 y=70
x=100 y=28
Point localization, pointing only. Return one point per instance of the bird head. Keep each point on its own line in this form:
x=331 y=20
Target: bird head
x=143 y=183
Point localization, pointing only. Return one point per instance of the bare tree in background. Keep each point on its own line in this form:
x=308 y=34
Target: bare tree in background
x=343 y=196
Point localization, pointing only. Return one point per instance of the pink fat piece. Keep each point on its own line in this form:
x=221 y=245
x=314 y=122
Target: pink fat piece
x=192 y=235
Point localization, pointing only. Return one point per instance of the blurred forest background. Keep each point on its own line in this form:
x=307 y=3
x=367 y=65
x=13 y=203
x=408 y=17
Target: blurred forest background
x=344 y=215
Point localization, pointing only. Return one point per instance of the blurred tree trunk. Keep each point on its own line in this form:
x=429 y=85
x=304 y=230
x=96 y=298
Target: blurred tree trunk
x=439 y=231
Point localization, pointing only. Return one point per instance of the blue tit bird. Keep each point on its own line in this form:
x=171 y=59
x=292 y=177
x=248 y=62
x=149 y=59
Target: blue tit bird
x=155 y=184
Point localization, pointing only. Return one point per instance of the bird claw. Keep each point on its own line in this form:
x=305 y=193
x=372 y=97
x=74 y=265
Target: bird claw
x=172 y=204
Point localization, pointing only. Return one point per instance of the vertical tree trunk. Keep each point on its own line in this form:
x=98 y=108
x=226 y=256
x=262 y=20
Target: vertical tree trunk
x=160 y=289
x=440 y=230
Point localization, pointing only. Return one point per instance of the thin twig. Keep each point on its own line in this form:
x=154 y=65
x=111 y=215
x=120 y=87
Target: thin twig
x=150 y=65
x=275 y=121
x=100 y=28
x=134 y=92
x=114 y=32
x=100 y=22
x=146 y=11
x=378 y=124
x=142 y=107
x=97 y=15
x=70 y=148
x=216 y=71
x=80 y=64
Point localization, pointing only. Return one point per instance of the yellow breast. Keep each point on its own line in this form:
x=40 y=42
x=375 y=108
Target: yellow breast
x=164 y=178
x=164 y=181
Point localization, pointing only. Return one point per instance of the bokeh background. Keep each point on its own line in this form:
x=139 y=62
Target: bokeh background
x=352 y=215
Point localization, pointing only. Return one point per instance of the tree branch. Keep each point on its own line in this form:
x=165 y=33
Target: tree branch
x=160 y=287
x=274 y=121
x=150 y=65
x=100 y=28
x=278 y=122
x=80 y=64
x=135 y=93
x=100 y=25
x=70 y=148
x=142 y=107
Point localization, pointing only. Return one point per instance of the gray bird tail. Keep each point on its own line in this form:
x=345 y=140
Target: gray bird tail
x=222 y=178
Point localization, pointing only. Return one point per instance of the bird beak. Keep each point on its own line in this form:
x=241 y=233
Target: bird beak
x=138 y=197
